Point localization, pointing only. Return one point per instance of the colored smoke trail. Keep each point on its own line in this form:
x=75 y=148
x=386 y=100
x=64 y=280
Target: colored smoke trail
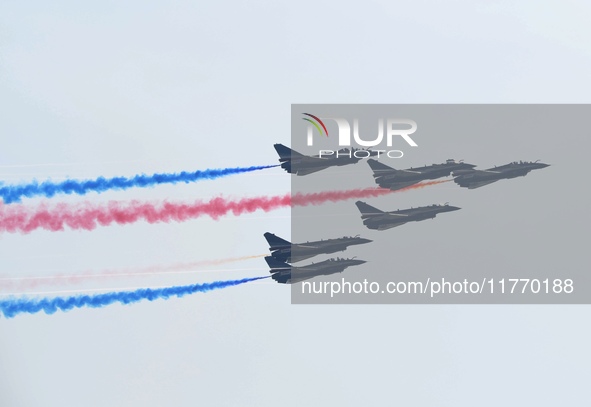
x=14 y=193
x=12 y=307
x=28 y=283
x=87 y=216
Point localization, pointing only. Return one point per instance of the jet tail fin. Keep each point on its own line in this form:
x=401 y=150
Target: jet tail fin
x=377 y=166
x=367 y=210
x=276 y=265
x=286 y=153
x=276 y=242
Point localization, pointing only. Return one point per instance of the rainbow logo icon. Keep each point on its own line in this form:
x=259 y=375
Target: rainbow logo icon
x=316 y=122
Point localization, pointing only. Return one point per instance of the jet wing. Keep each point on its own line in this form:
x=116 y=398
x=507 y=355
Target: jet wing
x=310 y=268
x=386 y=226
x=306 y=170
x=396 y=185
x=384 y=223
x=307 y=246
x=475 y=173
x=276 y=265
x=305 y=165
x=380 y=169
x=374 y=218
x=472 y=179
x=473 y=184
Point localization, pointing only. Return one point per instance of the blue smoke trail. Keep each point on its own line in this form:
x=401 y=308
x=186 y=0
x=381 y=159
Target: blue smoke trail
x=14 y=193
x=12 y=307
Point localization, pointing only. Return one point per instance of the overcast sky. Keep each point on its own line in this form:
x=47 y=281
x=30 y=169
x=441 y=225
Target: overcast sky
x=111 y=89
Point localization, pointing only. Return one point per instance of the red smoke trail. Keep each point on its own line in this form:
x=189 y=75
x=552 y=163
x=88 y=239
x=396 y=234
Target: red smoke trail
x=27 y=283
x=87 y=216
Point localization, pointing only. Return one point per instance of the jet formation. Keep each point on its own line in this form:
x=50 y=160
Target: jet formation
x=300 y=164
x=376 y=219
x=391 y=178
x=471 y=178
x=387 y=177
x=285 y=251
x=287 y=274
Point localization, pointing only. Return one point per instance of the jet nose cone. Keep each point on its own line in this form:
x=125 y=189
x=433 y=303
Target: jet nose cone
x=542 y=165
x=453 y=208
x=362 y=240
x=357 y=262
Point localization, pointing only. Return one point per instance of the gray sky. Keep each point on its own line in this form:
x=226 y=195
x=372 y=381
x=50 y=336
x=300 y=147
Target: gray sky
x=111 y=89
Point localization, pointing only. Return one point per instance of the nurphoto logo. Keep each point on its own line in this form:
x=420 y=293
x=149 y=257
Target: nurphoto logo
x=394 y=128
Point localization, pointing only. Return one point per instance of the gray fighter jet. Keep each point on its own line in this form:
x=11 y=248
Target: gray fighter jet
x=376 y=219
x=388 y=177
x=478 y=178
x=286 y=274
x=299 y=164
x=287 y=252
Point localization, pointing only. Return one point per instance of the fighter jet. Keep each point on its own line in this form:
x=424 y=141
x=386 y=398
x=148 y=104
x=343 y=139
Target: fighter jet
x=388 y=177
x=299 y=164
x=376 y=219
x=478 y=178
x=286 y=274
x=287 y=252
